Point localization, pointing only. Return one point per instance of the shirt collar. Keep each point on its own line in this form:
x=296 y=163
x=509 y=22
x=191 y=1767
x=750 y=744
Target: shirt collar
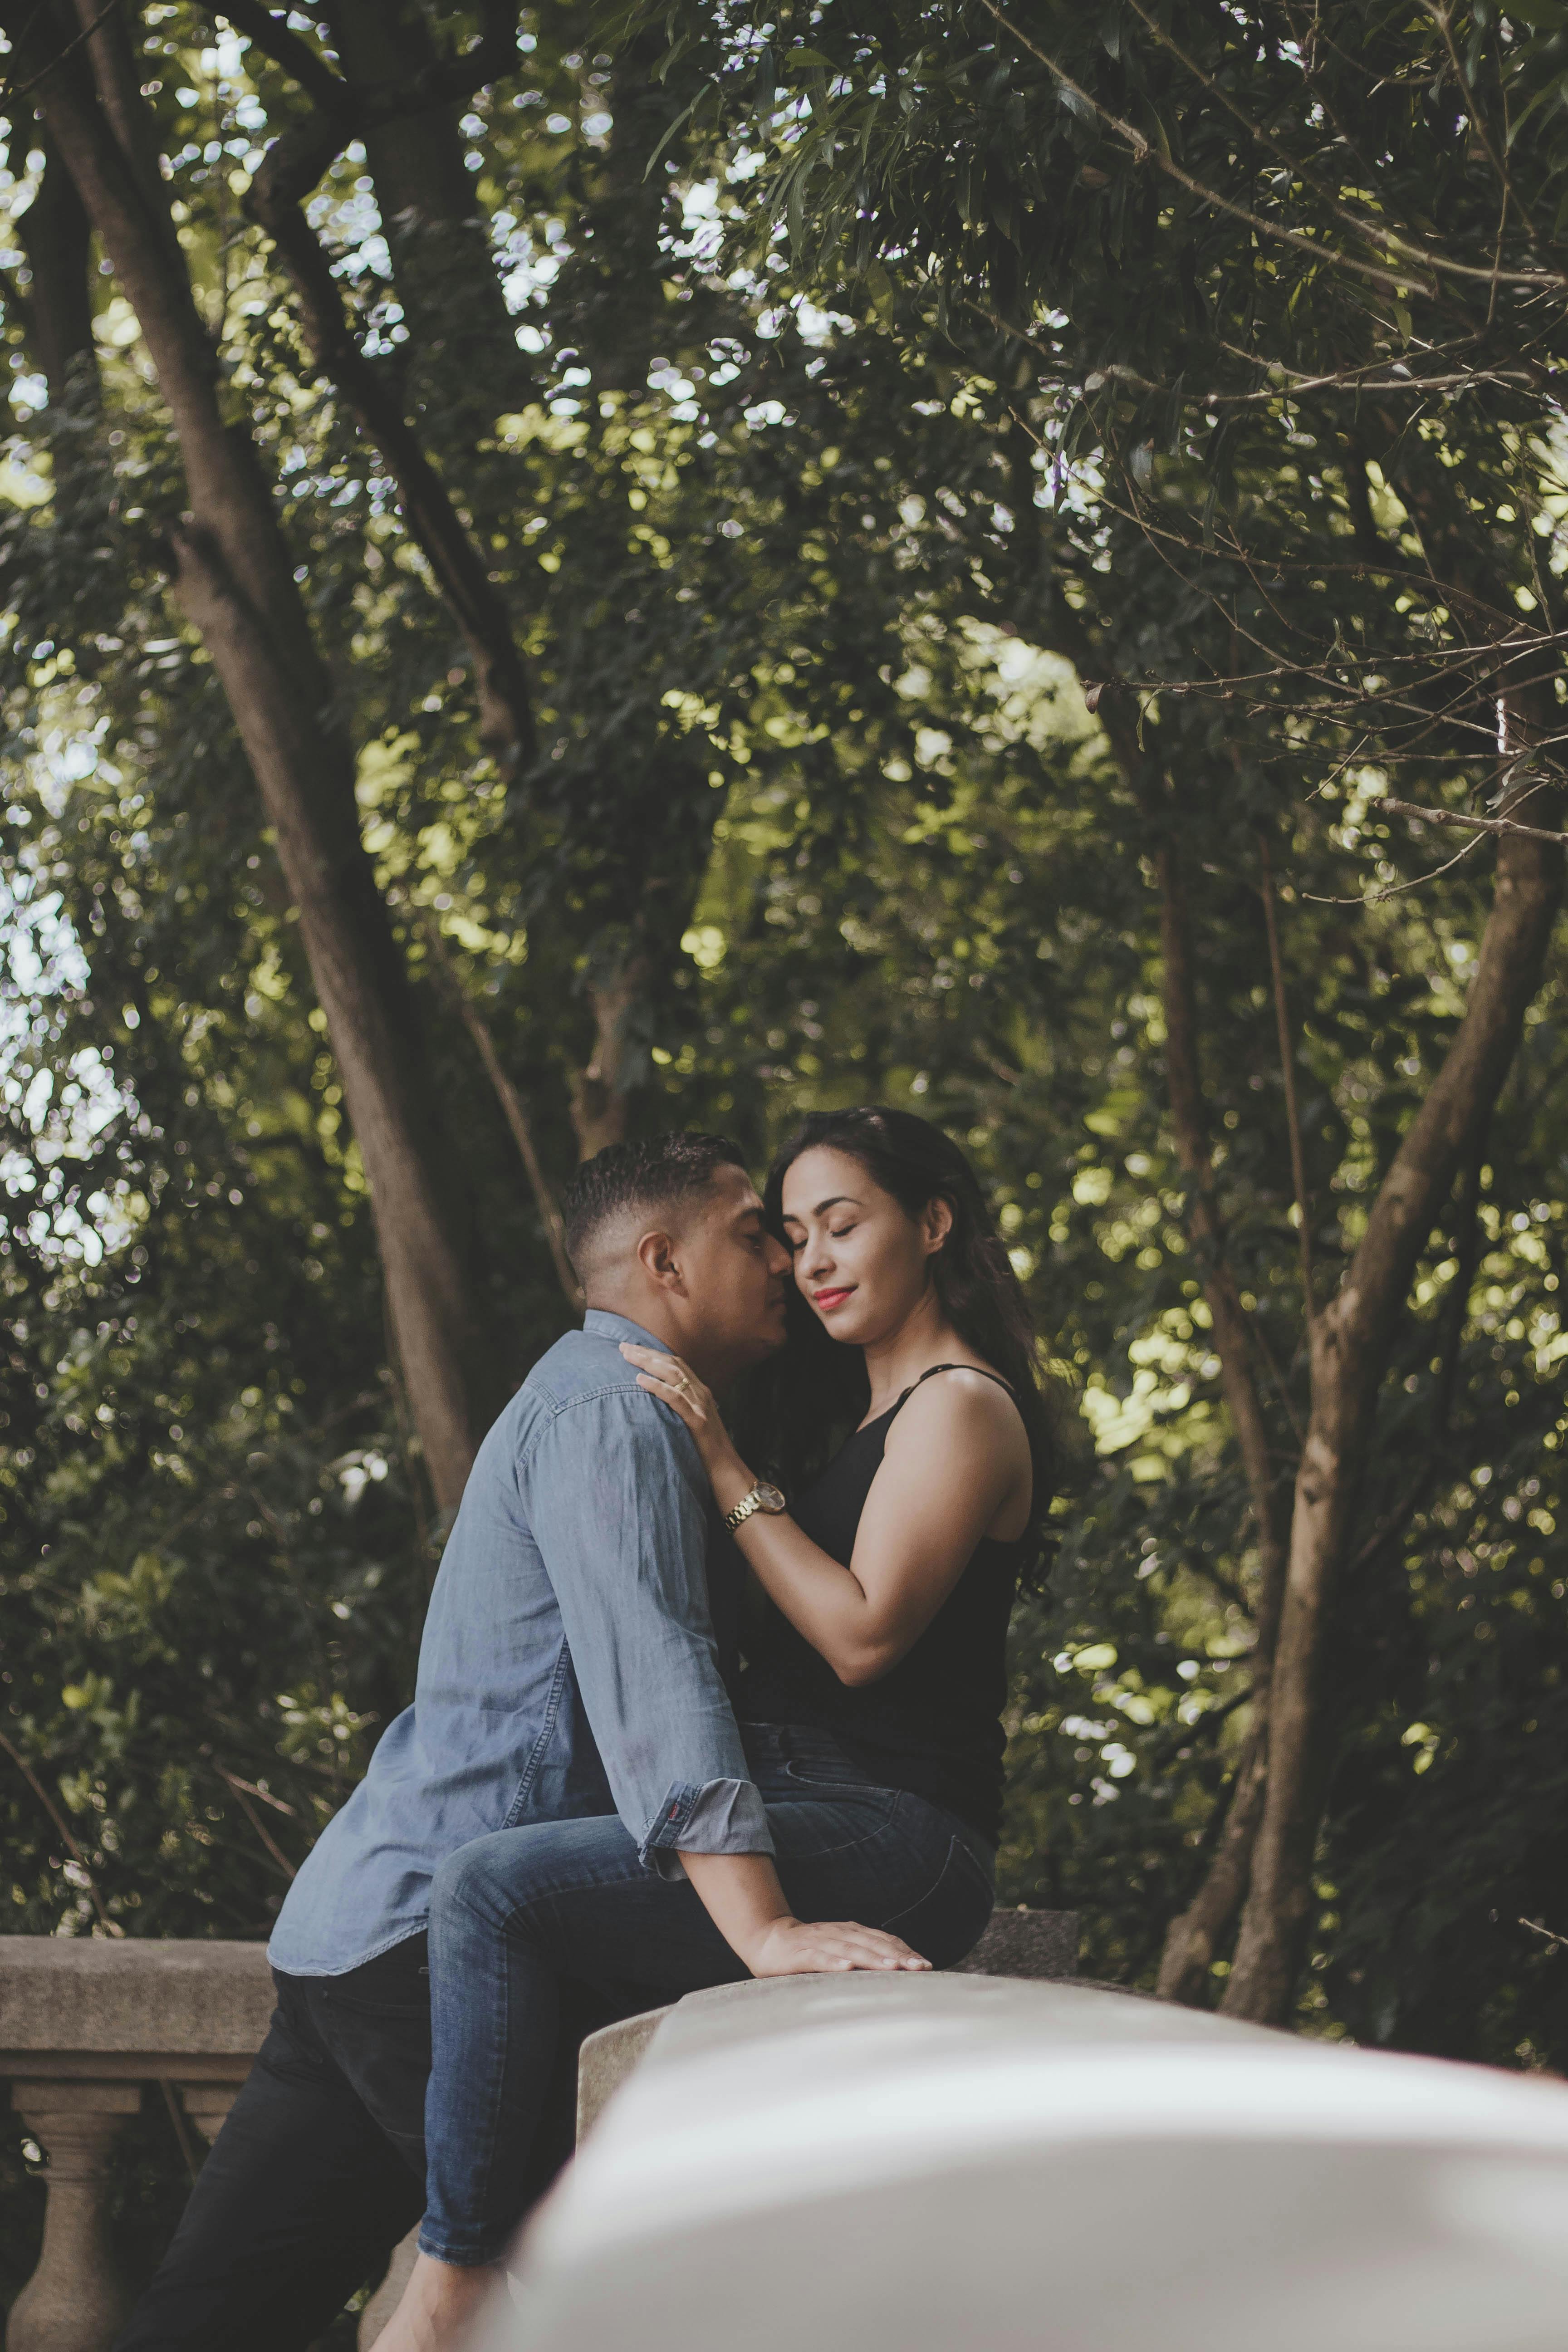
x=605 y=1324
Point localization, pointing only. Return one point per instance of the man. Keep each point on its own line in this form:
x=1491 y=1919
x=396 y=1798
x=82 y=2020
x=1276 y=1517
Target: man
x=568 y=1668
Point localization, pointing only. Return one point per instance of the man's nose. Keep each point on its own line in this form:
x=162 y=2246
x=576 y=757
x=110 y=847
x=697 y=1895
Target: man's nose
x=778 y=1256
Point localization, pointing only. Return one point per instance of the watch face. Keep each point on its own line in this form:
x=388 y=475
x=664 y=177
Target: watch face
x=769 y=1499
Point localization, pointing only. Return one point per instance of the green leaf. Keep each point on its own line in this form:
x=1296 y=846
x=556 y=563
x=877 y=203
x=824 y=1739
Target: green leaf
x=1554 y=90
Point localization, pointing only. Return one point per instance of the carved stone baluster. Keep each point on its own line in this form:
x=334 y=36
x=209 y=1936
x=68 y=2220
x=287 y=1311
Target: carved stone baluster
x=378 y=2311
x=75 y=2300
x=207 y=2105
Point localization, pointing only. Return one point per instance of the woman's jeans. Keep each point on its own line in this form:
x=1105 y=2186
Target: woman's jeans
x=514 y=1913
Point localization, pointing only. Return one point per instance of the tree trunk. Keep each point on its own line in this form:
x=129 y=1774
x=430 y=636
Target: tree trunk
x=610 y=296
x=1193 y=1939
x=601 y=1094
x=512 y=1109
x=462 y=339
x=1351 y=1342
x=233 y=575
x=455 y=557
x=609 y=301
x=55 y=235
x=397 y=107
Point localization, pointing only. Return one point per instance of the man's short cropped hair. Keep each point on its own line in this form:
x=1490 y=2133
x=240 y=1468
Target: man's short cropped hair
x=642 y=1177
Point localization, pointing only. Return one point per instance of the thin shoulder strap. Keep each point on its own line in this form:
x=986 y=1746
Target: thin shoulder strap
x=931 y=1374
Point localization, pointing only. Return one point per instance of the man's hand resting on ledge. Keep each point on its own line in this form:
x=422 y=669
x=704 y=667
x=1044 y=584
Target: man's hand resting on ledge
x=742 y=1894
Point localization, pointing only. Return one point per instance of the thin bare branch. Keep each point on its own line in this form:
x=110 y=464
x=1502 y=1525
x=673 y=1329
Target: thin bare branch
x=110 y=1926
x=1398 y=889
x=240 y=1788
x=266 y=1795
x=1393 y=281
x=13 y=89
x=1288 y=1071
x=458 y=564
x=181 y=2129
x=1365 y=378
x=1494 y=824
x=511 y=1106
x=1443 y=19
x=1375 y=232
x=288 y=49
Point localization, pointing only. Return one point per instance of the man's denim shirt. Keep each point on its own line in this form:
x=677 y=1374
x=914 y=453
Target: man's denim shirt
x=569 y=1664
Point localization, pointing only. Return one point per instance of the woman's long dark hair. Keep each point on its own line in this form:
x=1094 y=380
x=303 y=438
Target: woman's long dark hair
x=802 y=1405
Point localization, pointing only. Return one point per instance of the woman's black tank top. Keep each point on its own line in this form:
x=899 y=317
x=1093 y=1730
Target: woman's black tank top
x=932 y=1723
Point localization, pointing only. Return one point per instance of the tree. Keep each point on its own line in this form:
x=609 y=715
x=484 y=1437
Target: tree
x=1176 y=249
x=231 y=571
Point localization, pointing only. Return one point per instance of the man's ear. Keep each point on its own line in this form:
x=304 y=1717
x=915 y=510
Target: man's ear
x=659 y=1260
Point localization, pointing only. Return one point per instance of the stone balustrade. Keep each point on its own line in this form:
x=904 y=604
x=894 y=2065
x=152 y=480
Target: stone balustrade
x=85 y=2023
x=915 y=2163
x=1040 y=1945
x=88 y=2025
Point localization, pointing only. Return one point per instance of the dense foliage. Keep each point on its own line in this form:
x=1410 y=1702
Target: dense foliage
x=810 y=546
x=1269 y=307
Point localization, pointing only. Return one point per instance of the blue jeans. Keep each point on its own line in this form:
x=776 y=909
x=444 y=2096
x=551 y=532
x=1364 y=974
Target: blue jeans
x=513 y=1913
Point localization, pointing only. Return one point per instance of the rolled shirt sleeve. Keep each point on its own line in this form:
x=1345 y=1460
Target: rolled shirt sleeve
x=618 y=1507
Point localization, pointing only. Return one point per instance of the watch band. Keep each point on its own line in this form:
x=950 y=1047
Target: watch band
x=758 y=1499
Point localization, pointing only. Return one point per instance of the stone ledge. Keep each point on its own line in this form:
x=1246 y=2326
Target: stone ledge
x=68 y=2003
x=1024 y=1943
x=230 y=2066
x=1038 y=1946
x=607 y=2057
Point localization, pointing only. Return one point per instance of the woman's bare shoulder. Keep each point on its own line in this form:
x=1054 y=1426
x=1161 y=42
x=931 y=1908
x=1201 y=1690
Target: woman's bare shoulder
x=962 y=1398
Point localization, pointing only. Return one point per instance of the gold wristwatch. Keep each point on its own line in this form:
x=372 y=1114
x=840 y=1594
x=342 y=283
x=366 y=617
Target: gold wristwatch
x=762 y=1498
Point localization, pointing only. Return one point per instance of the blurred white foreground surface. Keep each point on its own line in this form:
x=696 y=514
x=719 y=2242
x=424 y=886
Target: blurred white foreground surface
x=919 y=2164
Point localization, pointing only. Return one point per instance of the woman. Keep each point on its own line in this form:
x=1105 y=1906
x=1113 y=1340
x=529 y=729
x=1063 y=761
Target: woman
x=871 y=1698
x=889 y=1584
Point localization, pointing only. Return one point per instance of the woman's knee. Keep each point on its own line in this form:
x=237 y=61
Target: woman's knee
x=948 y=1918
